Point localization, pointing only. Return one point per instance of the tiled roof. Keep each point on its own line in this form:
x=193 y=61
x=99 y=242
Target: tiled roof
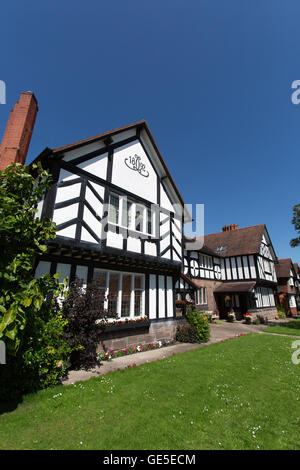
x=235 y=287
x=242 y=241
x=283 y=267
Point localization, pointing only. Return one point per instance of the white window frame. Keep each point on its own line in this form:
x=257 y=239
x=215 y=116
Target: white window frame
x=132 y=218
x=201 y=296
x=131 y=315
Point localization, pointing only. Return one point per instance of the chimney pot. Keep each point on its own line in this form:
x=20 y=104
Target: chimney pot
x=229 y=228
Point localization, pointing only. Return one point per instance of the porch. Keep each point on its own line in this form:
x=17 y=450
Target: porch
x=235 y=297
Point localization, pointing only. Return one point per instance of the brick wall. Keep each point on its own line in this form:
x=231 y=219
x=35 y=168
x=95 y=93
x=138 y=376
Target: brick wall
x=18 y=131
x=157 y=331
x=210 y=285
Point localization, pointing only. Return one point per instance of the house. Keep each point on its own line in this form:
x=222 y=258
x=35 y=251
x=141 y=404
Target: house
x=234 y=271
x=288 y=288
x=119 y=217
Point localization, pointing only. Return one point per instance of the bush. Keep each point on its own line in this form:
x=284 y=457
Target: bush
x=42 y=358
x=186 y=333
x=196 y=330
x=84 y=308
x=281 y=312
x=201 y=323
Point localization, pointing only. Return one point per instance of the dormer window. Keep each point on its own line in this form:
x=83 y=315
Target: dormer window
x=221 y=248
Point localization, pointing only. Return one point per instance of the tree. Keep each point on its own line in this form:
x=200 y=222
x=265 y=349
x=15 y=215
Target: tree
x=22 y=240
x=296 y=222
x=31 y=324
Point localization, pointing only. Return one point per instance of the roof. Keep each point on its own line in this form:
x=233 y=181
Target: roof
x=235 y=287
x=188 y=280
x=241 y=241
x=283 y=267
x=139 y=124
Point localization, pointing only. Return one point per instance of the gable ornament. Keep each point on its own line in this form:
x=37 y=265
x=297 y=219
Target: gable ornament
x=135 y=163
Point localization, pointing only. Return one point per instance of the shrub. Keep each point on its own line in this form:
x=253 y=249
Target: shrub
x=186 y=333
x=201 y=323
x=42 y=358
x=281 y=312
x=83 y=308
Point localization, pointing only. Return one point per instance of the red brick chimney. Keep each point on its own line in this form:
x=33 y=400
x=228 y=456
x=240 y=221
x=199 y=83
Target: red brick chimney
x=18 y=132
x=229 y=228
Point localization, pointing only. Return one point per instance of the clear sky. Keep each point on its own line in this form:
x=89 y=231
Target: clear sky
x=211 y=77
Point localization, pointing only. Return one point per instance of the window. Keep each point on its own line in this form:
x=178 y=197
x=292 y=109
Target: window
x=126 y=213
x=124 y=292
x=149 y=221
x=139 y=218
x=113 y=212
x=202 y=296
x=130 y=214
x=292 y=301
x=138 y=292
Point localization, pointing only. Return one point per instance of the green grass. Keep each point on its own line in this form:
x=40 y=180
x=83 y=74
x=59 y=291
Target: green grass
x=290 y=328
x=238 y=394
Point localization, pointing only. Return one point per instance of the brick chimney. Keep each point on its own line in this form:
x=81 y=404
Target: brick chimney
x=229 y=228
x=18 y=132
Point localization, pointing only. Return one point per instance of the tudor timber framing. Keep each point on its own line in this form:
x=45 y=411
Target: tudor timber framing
x=85 y=179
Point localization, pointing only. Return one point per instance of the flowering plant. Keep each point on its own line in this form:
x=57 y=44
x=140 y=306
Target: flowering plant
x=230 y=316
x=247 y=317
x=131 y=350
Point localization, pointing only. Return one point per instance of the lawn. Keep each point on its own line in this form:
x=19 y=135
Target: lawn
x=290 y=328
x=238 y=394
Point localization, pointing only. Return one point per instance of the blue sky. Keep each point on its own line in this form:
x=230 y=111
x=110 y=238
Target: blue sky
x=211 y=77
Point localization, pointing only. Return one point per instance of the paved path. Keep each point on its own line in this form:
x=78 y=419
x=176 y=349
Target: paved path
x=219 y=332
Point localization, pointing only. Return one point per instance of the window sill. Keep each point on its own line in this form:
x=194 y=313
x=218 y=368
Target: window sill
x=126 y=326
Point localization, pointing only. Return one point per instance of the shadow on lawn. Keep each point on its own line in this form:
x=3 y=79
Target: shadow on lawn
x=7 y=406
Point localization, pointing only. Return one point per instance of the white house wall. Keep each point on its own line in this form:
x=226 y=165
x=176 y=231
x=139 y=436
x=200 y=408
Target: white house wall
x=130 y=180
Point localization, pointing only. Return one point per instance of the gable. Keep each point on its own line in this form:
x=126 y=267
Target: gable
x=132 y=170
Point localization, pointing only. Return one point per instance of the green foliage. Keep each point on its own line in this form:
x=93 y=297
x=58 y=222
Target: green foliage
x=30 y=323
x=201 y=323
x=186 y=333
x=22 y=239
x=296 y=222
x=42 y=358
x=196 y=330
x=281 y=312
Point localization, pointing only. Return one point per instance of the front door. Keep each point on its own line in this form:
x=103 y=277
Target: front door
x=243 y=304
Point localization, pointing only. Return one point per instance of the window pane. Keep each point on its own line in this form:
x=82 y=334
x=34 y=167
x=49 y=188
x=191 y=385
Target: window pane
x=113 y=212
x=100 y=277
x=149 y=221
x=139 y=211
x=137 y=303
x=113 y=292
x=126 y=215
x=137 y=282
x=126 y=291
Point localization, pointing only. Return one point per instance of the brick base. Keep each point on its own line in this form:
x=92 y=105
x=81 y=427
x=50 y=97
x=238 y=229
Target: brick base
x=267 y=313
x=157 y=331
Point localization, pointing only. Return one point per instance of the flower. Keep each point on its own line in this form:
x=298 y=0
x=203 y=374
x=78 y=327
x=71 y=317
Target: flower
x=59 y=364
